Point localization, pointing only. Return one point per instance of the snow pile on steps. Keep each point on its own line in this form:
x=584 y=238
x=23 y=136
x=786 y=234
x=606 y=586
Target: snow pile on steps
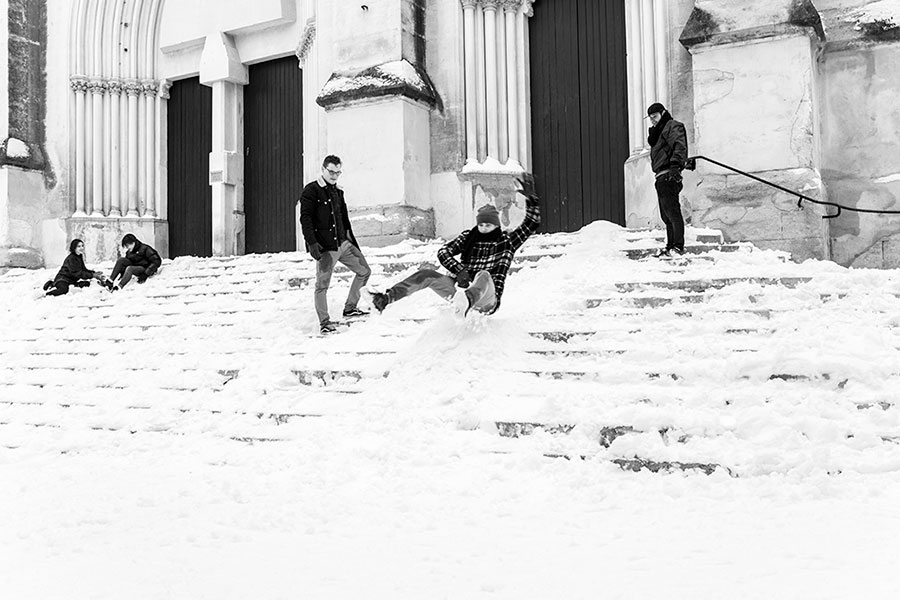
x=728 y=359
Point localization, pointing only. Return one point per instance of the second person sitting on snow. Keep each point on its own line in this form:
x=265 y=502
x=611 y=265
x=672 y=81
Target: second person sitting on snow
x=140 y=261
x=485 y=255
x=72 y=273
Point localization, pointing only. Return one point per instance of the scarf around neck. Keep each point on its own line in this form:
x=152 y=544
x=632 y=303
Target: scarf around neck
x=476 y=237
x=656 y=130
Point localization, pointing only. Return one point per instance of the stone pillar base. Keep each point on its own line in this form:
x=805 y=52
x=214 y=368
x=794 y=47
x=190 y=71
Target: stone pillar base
x=749 y=211
x=386 y=225
x=103 y=236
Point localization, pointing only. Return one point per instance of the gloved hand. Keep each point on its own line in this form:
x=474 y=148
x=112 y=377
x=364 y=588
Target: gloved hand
x=142 y=278
x=315 y=250
x=526 y=185
x=463 y=279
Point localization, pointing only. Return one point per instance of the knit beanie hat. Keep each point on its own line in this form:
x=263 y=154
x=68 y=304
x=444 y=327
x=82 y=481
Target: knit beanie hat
x=488 y=214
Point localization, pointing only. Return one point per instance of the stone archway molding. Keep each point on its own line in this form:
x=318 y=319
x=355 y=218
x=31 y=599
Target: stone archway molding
x=119 y=108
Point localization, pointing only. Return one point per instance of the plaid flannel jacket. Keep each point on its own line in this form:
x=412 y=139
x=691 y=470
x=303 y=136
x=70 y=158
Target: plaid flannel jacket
x=493 y=257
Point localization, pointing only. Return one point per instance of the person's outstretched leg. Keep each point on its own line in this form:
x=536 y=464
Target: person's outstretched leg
x=353 y=259
x=442 y=285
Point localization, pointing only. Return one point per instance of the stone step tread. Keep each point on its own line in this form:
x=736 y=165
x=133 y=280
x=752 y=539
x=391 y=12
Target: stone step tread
x=716 y=282
x=642 y=253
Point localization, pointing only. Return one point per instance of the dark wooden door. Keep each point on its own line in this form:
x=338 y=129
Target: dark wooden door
x=189 y=145
x=579 y=110
x=273 y=154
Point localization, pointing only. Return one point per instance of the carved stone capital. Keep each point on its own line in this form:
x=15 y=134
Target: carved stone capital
x=79 y=84
x=97 y=86
x=469 y=4
x=528 y=7
x=149 y=87
x=306 y=39
x=114 y=87
x=132 y=87
x=490 y=4
x=164 y=86
x=511 y=6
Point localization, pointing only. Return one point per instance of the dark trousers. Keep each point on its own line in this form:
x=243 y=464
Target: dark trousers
x=668 y=187
x=127 y=270
x=481 y=292
x=61 y=287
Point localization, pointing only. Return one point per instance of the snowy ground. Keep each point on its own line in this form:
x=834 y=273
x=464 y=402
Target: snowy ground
x=140 y=470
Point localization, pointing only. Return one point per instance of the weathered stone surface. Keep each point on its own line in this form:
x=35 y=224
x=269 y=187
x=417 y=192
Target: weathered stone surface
x=382 y=225
x=103 y=237
x=24 y=258
x=638 y=464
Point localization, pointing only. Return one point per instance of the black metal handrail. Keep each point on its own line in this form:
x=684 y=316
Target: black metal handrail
x=691 y=164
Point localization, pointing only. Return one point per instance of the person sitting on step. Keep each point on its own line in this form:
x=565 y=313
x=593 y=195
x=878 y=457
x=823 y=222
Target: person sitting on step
x=486 y=253
x=72 y=273
x=140 y=261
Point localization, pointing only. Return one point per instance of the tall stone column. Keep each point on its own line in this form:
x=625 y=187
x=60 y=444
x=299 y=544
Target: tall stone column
x=133 y=88
x=222 y=70
x=115 y=149
x=97 y=87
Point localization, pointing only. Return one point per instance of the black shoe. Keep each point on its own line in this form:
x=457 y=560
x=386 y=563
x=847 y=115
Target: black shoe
x=108 y=284
x=380 y=301
x=354 y=312
x=679 y=251
x=48 y=285
x=664 y=253
x=327 y=327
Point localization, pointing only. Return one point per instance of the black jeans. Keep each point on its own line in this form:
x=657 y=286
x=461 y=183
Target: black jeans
x=668 y=187
x=127 y=270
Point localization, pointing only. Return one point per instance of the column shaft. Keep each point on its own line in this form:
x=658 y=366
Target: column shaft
x=97 y=199
x=648 y=51
x=80 y=204
x=492 y=100
x=133 y=183
x=471 y=95
x=512 y=87
x=635 y=79
x=480 y=92
x=115 y=162
x=660 y=33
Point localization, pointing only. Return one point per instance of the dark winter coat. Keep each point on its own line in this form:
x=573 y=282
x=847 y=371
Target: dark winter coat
x=73 y=270
x=494 y=256
x=668 y=145
x=143 y=255
x=319 y=214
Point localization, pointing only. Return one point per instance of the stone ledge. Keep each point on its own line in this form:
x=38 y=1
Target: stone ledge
x=397 y=78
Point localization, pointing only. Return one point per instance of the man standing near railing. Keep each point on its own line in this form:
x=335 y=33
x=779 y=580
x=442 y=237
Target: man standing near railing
x=668 y=153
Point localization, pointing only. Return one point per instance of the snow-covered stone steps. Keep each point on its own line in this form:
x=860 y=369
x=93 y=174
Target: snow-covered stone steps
x=643 y=253
x=703 y=285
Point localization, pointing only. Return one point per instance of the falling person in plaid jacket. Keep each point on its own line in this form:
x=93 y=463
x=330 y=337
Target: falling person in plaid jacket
x=486 y=253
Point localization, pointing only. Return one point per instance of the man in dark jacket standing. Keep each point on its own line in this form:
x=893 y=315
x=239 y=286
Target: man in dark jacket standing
x=140 y=261
x=329 y=238
x=668 y=153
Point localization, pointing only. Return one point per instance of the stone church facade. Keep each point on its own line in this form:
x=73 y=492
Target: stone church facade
x=194 y=123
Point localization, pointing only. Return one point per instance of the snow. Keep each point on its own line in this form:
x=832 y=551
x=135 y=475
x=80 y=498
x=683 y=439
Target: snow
x=386 y=75
x=883 y=11
x=125 y=474
x=16 y=148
